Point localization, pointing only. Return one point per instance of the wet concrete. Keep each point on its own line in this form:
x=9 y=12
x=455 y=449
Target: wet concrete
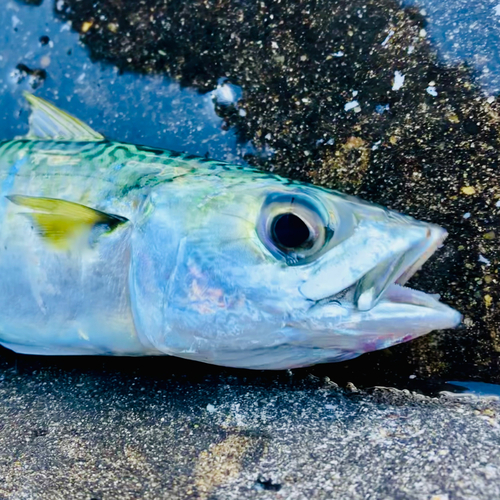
x=108 y=432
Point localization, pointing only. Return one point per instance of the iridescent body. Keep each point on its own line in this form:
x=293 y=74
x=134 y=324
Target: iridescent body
x=190 y=261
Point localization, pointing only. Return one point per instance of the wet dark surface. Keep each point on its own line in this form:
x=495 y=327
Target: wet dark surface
x=152 y=110
x=151 y=72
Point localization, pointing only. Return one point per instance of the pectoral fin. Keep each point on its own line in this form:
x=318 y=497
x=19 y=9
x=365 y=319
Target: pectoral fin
x=51 y=123
x=60 y=222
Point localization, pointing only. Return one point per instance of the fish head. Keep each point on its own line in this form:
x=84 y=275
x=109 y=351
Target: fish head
x=268 y=274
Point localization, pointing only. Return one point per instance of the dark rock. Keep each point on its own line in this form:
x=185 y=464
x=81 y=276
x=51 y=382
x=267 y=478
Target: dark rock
x=37 y=76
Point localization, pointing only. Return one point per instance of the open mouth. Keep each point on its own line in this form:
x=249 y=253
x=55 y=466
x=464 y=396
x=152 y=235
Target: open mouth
x=388 y=278
x=377 y=310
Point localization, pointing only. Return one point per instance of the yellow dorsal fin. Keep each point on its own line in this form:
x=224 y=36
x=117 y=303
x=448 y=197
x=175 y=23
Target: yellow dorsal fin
x=60 y=221
x=49 y=122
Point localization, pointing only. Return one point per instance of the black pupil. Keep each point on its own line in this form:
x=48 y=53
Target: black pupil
x=290 y=231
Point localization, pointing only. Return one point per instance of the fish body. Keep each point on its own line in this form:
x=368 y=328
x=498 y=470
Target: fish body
x=119 y=249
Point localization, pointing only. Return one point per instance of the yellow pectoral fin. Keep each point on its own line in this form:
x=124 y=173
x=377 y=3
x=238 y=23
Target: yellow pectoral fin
x=60 y=221
x=58 y=230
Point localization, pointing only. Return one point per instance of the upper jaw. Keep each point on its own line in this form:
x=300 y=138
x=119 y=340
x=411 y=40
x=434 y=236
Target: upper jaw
x=397 y=269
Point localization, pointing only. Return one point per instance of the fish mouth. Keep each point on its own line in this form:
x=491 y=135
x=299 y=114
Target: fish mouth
x=386 y=280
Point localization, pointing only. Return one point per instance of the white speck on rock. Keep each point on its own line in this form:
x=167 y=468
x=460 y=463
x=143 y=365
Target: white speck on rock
x=224 y=94
x=381 y=109
x=497 y=204
x=496 y=10
x=15 y=21
x=411 y=48
x=210 y=408
x=351 y=105
x=376 y=145
x=387 y=38
x=466 y=215
x=431 y=90
x=338 y=54
x=399 y=80
x=355 y=93
x=66 y=26
x=483 y=260
x=330 y=407
x=242 y=112
x=489 y=471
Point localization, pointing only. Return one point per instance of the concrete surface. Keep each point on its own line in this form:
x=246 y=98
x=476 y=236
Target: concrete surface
x=103 y=433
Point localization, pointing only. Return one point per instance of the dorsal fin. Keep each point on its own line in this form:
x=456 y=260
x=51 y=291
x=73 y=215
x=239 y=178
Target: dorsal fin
x=48 y=122
x=59 y=222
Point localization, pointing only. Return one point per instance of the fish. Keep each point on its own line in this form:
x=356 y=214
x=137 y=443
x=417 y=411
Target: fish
x=110 y=248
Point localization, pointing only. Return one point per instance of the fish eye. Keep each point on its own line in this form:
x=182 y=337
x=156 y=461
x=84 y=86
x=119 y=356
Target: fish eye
x=294 y=227
x=290 y=231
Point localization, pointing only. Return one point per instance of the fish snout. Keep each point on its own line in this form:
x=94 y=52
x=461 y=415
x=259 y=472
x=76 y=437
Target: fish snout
x=398 y=268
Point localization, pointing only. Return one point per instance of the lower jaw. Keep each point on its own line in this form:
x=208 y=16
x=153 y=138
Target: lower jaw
x=406 y=295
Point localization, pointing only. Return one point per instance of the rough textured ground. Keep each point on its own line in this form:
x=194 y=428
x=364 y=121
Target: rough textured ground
x=98 y=432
